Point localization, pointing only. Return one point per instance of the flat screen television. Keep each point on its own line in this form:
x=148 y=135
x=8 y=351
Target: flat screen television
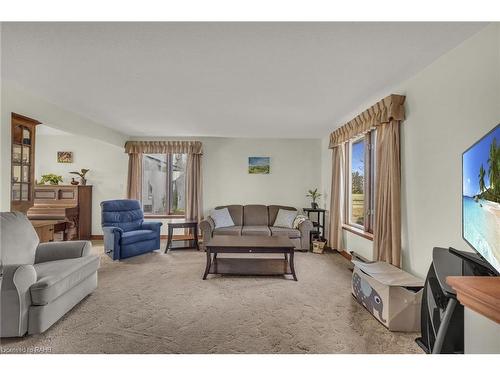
x=481 y=197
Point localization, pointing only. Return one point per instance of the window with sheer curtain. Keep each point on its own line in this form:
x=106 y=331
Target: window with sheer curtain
x=164 y=184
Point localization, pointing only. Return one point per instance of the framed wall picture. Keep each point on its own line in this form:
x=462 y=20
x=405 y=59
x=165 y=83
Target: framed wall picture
x=64 y=157
x=259 y=165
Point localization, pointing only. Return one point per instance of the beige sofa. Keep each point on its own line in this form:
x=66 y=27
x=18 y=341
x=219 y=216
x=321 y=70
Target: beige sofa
x=258 y=220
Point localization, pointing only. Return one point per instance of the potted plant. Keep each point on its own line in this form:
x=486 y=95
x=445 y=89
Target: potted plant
x=51 y=178
x=313 y=194
x=82 y=174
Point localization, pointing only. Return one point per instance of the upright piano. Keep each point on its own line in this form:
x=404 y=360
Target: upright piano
x=68 y=203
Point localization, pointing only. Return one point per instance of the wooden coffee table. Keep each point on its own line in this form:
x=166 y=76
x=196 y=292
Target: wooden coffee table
x=250 y=266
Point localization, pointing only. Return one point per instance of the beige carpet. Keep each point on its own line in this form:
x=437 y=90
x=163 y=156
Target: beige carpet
x=158 y=303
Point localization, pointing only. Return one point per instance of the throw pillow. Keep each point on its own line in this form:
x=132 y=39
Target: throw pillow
x=285 y=218
x=222 y=218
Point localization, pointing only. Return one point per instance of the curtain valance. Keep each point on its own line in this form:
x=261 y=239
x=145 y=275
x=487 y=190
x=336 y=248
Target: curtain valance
x=387 y=109
x=164 y=147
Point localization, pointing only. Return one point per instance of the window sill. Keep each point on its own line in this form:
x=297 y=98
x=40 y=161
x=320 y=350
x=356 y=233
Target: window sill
x=164 y=216
x=359 y=232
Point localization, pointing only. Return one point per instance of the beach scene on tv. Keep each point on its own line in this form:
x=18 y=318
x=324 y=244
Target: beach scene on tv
x=481 y=197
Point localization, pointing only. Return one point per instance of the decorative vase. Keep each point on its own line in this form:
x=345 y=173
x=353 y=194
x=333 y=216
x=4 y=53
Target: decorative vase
x=74 y=182
x=314 y=205
x=83 y=181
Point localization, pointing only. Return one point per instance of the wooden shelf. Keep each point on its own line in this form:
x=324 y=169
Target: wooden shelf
x=478 y=293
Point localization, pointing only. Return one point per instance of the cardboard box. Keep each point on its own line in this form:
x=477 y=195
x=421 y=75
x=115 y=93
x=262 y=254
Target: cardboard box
x=391 y=295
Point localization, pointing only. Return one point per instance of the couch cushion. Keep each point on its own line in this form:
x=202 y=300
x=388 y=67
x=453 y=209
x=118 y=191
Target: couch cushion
x=57 y=277
x=229 y=231
x=138 y=235
x=273 y=212
x=255 y=214
x=255 y=230
x=290 y=232
x=222 y=218
x=236 y=212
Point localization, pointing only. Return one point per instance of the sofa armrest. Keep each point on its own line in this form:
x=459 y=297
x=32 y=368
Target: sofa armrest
x=16 y=299
x=207 y=227
x=306 y=226
x=112 y=238
x=50 y=251
x=152 y=225
x=305 y=229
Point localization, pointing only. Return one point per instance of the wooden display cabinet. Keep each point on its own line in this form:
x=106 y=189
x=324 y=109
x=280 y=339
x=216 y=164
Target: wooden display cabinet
x=23 y=130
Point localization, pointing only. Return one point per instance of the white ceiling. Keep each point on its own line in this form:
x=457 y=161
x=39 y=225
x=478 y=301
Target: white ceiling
x=220 y=79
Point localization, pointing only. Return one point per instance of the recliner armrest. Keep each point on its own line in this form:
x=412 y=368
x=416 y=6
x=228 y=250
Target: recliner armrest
x=112 y=238
x=50 y=251
x=18 y=276
x=16 y=299
x=151 y=225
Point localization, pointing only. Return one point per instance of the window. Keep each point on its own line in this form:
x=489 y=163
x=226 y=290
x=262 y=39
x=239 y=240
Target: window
x=360 y=164
x=163 y=184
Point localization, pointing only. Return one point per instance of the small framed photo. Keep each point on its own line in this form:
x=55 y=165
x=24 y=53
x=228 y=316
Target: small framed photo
x=64 y=157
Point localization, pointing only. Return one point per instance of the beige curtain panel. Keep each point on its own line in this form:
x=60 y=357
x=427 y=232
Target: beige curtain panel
x=387 y=231
x=388 y=109
x=134 y=182
x=194 y=204
x=385 y=116
x=337 y=198
x=164 y=147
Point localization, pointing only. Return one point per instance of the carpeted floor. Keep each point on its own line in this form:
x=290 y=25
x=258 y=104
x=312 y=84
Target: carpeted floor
x=158 y=303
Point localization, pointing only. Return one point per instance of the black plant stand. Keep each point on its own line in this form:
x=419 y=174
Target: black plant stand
x=318 y=231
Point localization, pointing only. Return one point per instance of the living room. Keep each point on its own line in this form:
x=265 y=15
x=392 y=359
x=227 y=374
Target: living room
x=235 y=187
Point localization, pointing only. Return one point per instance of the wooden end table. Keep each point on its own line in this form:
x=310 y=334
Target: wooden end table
x=250 y=266
x=184 y=224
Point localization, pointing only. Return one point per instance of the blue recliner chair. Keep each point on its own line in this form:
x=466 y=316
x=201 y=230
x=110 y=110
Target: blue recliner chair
x=125 y=232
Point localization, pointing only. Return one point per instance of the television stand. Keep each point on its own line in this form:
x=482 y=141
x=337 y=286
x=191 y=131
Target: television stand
x=442 y=317
x=475 y=262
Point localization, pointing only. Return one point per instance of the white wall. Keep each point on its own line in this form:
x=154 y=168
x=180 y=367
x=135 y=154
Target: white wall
x=107 y=163
x=481 y=334
x=295 y=168
x=449 y=105
x=15 y=99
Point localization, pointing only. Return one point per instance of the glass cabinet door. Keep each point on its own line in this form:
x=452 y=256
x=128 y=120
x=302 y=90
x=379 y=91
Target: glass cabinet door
x=16 y=192
x=26 y=155
x=23 y=130
x=16 y=173
x=25 y=192
x=16 y=153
